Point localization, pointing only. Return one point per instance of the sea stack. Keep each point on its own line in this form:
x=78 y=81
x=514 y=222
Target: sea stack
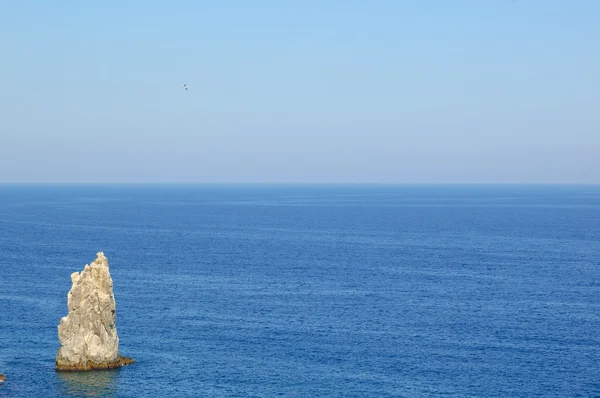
x=88 y=334
x=2 y=378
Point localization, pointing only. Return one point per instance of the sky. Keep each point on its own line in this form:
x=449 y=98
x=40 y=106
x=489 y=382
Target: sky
x=382 y=91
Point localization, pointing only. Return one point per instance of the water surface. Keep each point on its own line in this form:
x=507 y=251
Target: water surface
x=300 y=290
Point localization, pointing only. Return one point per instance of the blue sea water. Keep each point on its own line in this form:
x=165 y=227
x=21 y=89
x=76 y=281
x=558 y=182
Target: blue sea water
x=310 y=290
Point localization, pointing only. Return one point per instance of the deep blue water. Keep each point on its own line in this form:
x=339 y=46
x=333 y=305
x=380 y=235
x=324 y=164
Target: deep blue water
x=310 y=291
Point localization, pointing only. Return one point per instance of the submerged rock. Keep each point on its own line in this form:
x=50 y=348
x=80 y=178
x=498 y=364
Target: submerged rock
x=88 y=335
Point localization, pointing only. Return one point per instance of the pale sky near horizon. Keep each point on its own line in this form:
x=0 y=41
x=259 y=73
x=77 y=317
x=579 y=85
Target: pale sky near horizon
x=300 y=91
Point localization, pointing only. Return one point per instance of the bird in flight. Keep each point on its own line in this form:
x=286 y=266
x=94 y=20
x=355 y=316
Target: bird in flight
x=185 y=86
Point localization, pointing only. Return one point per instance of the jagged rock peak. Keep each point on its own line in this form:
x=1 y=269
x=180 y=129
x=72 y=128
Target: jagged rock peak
x=88 y=334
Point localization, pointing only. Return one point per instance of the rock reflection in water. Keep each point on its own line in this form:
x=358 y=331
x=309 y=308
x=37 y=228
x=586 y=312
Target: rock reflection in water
x=95 y=383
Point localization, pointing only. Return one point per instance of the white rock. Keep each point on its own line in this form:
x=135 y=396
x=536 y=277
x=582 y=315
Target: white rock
x=88 y=335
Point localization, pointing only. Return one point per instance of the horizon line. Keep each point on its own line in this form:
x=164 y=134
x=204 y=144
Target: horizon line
x=282 y=183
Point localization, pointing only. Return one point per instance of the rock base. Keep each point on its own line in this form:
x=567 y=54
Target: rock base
x=90 y=365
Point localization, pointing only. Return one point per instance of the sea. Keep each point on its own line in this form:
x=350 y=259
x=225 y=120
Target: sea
x=310 y=290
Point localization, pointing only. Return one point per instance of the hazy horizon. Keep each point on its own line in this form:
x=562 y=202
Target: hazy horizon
x=305 y=183
x=414 y=92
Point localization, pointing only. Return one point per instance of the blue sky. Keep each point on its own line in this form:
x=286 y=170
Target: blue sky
x=452 y=91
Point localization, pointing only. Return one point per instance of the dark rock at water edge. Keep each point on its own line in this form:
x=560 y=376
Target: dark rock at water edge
x=91 y=365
